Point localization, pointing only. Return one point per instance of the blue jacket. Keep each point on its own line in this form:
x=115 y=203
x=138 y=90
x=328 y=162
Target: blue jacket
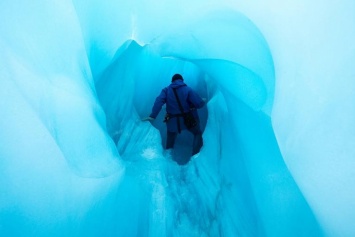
x=189 y=99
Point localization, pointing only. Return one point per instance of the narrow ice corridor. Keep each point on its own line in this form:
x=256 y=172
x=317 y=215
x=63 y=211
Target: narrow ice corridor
x=77 y=77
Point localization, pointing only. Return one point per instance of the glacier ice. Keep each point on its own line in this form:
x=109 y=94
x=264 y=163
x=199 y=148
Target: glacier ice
x=77 y=76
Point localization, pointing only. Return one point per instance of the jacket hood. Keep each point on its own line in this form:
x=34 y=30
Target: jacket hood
x=177 y=84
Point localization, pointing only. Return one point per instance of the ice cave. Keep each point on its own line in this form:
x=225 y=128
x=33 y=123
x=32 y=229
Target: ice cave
x=77 y=77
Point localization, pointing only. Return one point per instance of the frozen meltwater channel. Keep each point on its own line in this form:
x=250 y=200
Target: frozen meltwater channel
x=76 y=159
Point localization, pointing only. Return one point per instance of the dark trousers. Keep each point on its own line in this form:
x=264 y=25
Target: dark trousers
x=197 y=143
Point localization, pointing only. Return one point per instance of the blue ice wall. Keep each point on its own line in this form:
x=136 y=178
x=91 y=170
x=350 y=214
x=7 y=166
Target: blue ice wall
x=76 y=160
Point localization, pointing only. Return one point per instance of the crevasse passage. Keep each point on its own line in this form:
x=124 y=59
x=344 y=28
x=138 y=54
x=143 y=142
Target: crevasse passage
x=236 y=184
x=87 y=165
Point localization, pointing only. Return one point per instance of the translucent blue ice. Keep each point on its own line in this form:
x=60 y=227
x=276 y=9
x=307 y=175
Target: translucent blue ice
x=76 y=159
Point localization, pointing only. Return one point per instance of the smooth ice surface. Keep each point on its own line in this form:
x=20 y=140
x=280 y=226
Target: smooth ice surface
x=278 y=154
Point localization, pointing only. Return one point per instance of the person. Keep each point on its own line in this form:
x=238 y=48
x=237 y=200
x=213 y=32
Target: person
x=190 y=101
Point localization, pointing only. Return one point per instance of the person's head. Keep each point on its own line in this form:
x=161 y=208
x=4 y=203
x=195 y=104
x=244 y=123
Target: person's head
x=176 y=77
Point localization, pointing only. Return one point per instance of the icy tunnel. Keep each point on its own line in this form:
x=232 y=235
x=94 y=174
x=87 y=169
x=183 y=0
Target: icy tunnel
x=137 y=72
x=241 y=155
x=76 y=159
